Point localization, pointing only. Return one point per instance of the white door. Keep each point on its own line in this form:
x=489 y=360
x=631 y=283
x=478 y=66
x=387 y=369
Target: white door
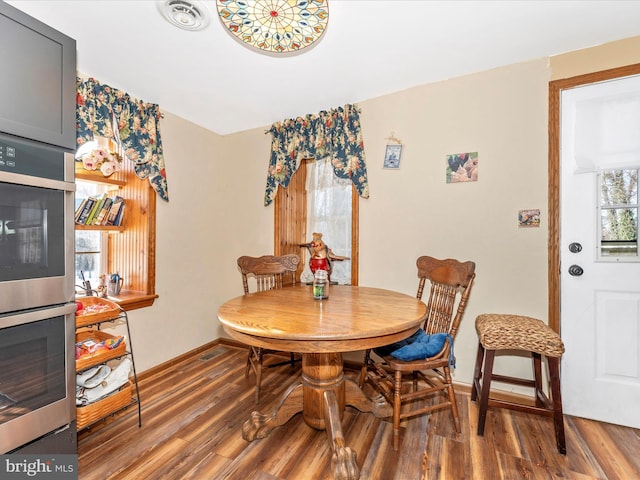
x=600 y=287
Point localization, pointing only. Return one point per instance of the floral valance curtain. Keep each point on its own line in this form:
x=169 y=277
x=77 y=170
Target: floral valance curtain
x=336 y=134
x=105 y=111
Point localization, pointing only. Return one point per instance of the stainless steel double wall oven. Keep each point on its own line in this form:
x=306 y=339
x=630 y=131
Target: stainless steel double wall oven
x=37 y=321
x=37 y=308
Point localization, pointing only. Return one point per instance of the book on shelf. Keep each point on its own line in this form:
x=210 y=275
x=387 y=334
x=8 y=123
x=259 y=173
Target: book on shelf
x=100 y=211
x=86 y=210
x=114 y=216
x=95 y=209
x=80 y=208
x=100 y=218
x=118 y=220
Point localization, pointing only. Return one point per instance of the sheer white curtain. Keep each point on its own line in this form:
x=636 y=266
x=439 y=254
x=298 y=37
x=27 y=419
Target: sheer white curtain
x=329 y=213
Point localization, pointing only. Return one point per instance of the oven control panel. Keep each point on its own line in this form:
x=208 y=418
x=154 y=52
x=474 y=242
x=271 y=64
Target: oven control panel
x=35 y=159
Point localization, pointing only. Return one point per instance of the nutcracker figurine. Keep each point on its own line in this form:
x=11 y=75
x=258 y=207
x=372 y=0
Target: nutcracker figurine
x=321 y=255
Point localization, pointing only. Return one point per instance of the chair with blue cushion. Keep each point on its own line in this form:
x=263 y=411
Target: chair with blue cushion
x=413 y=372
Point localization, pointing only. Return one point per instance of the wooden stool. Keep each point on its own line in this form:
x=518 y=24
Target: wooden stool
x=516 y=332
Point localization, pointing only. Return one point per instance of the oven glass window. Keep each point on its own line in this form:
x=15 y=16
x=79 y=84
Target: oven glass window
x=32 y=239
x=32 y=367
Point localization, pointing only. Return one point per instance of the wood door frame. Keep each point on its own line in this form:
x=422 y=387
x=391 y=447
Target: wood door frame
x=555 y=88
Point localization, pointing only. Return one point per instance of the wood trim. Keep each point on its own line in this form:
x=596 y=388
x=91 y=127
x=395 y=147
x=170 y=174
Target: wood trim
x=132 y=300
x=150 y=372
x=554 y=208
x=355 y=235
x=151 y=241
x=555 y=89
x=290 y=212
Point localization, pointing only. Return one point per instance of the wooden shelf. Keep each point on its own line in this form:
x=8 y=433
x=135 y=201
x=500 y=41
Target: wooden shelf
x=99 y=178
x=132 y=300
x=110 y=228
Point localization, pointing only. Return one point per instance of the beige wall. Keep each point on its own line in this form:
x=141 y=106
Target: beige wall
x=216 y=212
x=502 y=115
x=603 y=57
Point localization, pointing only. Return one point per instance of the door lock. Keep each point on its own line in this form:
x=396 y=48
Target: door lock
x=575 y=247
x=575 y=270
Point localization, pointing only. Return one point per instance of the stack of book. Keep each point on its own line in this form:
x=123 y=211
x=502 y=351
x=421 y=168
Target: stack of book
x=100 y=211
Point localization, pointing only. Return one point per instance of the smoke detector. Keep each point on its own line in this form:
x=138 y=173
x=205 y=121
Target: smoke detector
x=185 y=14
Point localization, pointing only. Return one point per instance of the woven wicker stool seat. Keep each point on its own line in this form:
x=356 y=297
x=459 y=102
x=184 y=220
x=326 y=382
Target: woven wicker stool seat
x=516 y=332
x=501 y=332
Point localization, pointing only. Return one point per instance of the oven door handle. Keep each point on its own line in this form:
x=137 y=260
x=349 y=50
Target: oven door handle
x=37 y=314
x=28 y=180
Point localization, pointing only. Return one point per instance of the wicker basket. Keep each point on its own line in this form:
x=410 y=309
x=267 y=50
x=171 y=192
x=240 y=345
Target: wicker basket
x=101 y=355
x=102 y=408
x=107 y=310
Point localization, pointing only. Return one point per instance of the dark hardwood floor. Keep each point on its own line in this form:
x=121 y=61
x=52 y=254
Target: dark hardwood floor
x=193 y=410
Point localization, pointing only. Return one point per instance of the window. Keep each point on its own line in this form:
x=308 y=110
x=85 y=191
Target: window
x=618 y=215
x=90 y=250
x=329 y=212
x=91 y=245
x=295 y=217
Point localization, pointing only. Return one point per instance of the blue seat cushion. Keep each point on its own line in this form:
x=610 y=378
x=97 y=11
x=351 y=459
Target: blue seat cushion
x=392 y=347
x=426 y=347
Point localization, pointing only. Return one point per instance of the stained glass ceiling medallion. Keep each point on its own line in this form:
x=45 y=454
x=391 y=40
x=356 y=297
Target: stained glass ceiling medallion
x=278 y=27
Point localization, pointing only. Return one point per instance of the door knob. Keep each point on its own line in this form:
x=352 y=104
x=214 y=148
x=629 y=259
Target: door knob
x=575 y=247
x=575 y=270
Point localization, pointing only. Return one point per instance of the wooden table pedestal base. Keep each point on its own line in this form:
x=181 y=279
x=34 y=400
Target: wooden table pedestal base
x=321 y=395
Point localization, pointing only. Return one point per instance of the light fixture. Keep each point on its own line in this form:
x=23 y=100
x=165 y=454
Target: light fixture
x=277 y=27
x=185 y=14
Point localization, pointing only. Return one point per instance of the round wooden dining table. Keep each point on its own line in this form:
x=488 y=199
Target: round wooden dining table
x=351 y=319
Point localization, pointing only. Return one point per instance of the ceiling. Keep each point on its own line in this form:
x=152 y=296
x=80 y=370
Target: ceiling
x=370 y=48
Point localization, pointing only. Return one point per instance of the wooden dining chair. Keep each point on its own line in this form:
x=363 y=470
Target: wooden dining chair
x=450 y=286
x=269 y=272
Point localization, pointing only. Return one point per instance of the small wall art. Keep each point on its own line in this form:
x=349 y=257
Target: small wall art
x=462 y=167
x=392 y=156
x=529 y=218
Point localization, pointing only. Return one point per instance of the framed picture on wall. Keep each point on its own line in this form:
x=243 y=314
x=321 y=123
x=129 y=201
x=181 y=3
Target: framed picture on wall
x=462 y=167
x=392 y=156
x=529 y=218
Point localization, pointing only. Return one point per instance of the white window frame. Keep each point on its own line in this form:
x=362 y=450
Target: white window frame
x=599 y=211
